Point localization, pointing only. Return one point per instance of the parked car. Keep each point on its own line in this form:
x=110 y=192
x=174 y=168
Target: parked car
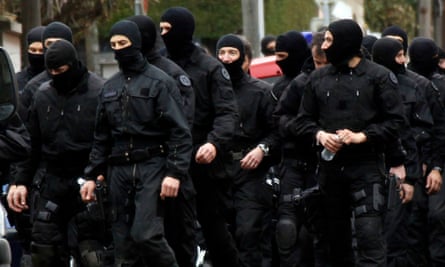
x=265 y=68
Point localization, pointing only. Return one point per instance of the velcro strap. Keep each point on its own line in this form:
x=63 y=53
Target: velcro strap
x=44 y=216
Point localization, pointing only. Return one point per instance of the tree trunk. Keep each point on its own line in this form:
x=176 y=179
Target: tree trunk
x=92 y=48
x=30 y=19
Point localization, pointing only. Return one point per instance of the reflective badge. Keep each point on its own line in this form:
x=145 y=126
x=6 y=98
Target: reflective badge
x=393 y=78
x=185 y=81
x=225 y=74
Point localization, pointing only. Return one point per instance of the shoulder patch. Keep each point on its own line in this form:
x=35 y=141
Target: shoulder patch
x=225 y=74
x=184 y=81
x=393 y=78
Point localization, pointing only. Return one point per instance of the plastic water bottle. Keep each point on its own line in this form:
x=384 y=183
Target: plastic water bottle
x=326 y=154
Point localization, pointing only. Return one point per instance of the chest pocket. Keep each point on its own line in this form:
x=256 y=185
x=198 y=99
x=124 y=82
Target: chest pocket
x=409 y=101
x=340 y=108
x=140 y=105
x=112 y=103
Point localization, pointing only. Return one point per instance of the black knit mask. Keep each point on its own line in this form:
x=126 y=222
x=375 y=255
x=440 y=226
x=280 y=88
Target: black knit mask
x=423 y=53
x=384 y=52
x=235 y=68
x=347 y=41
x=399 y=32
x=129 y=58
x=57 y=30
x=298 y=51
x=178 y=40
x=147 y=29
x=36 y=61
x=62 y=53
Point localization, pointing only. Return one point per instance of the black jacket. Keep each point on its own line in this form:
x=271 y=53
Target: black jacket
x=61 y=128
x=27 y=94
x=364 y=99
x=287 y=109
x=216 y=110
x=182 y=80
x=256 y=107
x=417 y=132
x=138 y=112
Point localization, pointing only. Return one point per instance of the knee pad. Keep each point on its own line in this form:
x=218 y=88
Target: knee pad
x=91 y=253
x=286 y=234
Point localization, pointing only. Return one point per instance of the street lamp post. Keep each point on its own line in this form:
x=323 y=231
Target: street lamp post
x=138 y=10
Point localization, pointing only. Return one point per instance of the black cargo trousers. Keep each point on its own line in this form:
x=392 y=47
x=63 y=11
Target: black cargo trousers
x=137 y=210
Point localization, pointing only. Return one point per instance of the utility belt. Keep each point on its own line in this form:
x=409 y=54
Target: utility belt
x=136 y=155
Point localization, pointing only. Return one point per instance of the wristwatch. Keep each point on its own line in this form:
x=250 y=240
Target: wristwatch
x=264 y=148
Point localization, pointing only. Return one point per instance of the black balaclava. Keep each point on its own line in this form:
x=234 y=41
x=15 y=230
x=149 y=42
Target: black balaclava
x=296 y=46
x=148 y=31
x=423 y=54
x=36 y=61
x=179 y=40
x=368 y=41
x=384 y=52
x=264 y=42
x=397 y=31
x=347 y=42
x=57 y=29
x=62 y=53
x=130 y=58
x=235 y=68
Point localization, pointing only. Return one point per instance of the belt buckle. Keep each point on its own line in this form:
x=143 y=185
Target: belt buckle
x=237 y=155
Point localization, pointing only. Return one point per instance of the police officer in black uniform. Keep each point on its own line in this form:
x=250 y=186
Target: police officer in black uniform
x=399 y=226
x=297 y=173
x=423 y=54
x=214 y=122
x=351 y=108
x=142 y=133
x=179 y=217
x=249 y=153
x=61 y=127
x=148 y=32
x=54 y=31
